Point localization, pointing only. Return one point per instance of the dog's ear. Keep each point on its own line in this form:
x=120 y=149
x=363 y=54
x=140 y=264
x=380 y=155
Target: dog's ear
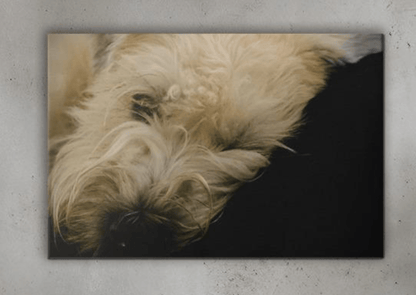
x=358 y=46
x=350 y=48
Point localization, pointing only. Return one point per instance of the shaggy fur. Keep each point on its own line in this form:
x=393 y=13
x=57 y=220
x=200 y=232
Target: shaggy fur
x=150 y=135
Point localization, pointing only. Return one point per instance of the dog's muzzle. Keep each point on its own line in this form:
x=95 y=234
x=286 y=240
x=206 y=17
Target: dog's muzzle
x=136 y=234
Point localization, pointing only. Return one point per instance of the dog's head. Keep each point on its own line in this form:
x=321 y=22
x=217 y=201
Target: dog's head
x=170 y=126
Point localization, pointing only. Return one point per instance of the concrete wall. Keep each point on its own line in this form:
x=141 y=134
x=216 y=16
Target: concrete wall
x=24 y=267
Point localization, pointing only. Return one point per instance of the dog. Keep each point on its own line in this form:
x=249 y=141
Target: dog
x=151 y=134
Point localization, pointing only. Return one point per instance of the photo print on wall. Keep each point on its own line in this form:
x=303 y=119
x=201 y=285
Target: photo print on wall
x=215 y=145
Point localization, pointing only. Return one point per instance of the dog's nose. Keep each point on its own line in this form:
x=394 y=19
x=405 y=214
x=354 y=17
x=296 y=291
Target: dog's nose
x=135 y=234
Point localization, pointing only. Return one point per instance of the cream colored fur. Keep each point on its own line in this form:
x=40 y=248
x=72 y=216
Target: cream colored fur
x=224 y=103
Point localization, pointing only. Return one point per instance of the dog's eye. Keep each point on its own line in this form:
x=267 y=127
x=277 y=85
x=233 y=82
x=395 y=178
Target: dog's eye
x=143 y=106
x=141 y=97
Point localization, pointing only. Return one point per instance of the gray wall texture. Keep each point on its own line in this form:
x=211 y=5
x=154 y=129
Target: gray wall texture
x=24 y=267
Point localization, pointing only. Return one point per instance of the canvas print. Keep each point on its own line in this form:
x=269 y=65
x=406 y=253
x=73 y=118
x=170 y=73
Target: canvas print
x=215 y=145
